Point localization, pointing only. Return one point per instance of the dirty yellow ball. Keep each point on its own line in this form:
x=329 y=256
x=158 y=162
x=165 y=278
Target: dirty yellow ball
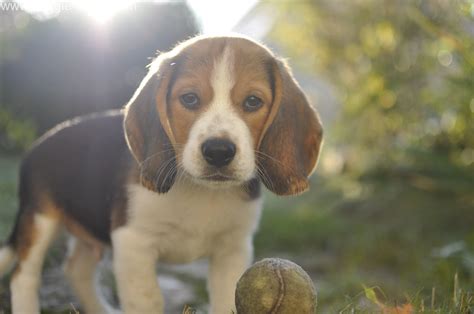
x=274 y=286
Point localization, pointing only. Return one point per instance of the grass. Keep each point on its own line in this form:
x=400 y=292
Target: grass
x=387 y=242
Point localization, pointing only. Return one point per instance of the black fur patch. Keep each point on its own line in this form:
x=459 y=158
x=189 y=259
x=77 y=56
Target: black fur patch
x=82 y=166
x=253 y=188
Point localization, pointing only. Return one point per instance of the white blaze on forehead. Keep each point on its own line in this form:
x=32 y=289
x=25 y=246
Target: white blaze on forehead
x=222 y=78
x=221 y=119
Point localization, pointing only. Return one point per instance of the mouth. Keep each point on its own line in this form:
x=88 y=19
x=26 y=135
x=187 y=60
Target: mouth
x=217 y=177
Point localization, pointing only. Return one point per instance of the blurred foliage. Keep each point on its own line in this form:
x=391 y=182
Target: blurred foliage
x=52 y=69
x=15 y=134
x=404 y=71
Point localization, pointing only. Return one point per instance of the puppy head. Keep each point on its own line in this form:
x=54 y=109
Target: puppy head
x=222 y=110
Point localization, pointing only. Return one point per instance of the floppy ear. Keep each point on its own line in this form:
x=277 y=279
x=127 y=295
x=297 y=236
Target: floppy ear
x=291 y=138
x=147 y=129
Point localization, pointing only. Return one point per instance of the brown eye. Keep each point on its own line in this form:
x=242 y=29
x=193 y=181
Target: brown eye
x=252 y=103
x=189 y=100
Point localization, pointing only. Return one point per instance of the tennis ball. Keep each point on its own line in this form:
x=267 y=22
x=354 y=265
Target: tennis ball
x=274 y=286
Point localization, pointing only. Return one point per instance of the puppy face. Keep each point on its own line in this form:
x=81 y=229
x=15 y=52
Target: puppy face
x=219 y=101
x=222 y=111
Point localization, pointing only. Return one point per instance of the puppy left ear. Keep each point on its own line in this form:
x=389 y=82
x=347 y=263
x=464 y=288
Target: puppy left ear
x=147 y=129
x=291 y=138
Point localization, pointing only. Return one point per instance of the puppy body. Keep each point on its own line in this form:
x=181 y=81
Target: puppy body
x=187 y=223
x=174 y=177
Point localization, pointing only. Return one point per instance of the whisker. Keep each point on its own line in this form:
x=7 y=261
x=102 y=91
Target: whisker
x=264 y=174
x=269 y=157
x=170 y=172
x=283 y=165
x=162 y=168
x=154 y=155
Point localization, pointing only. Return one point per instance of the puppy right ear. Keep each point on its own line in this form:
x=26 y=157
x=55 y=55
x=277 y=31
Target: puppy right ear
x=147 y=128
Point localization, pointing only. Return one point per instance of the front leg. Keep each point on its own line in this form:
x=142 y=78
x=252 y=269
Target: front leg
x=228 y=262
x=135 y=257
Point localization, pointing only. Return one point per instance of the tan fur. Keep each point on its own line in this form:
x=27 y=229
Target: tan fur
x=48 y=209
x=251 y=79
x=26 y=237
x=286 y=131
x=81 y=233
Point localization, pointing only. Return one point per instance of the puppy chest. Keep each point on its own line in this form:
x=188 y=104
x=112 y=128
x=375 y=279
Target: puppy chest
x=186 y=226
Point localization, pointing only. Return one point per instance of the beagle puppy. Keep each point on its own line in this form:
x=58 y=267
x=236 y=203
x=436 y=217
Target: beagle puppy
x=173 y=177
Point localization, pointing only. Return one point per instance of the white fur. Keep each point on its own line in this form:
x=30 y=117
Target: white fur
x=25 y=283
x=221 y=120
x=135 y=255
x=7 y=259
x=189 y=222
x=227 y=263
x=80 y=267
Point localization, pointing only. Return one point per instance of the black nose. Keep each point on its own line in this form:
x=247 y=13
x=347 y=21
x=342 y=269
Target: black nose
x=218 y=152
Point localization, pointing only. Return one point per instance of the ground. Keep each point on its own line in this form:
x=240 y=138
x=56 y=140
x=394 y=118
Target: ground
x=391 y=238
